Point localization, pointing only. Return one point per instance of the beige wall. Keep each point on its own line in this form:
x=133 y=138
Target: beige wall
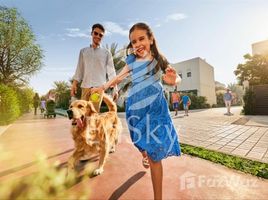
x=202 y=78
x=260 y=48
x=188 y=83
x=207 y=82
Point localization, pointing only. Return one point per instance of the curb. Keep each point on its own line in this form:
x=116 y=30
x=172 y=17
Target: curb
x=3 y=129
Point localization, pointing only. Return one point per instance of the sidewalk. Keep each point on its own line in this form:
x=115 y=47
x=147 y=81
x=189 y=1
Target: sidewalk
x=124 y=177
x=213 y=130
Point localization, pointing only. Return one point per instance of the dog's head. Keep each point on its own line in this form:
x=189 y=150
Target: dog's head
x=78 y=111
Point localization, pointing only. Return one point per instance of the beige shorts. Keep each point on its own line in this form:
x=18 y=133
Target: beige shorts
x=86 y=92
x=228 y=103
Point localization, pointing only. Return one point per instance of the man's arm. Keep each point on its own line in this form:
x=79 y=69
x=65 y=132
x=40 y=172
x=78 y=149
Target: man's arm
x=111 y=73
x=78 y=74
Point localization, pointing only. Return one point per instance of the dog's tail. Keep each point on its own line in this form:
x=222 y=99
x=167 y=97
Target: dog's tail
x=110 y=103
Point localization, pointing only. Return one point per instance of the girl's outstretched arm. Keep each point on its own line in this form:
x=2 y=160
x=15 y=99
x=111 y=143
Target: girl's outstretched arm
x=113 y=82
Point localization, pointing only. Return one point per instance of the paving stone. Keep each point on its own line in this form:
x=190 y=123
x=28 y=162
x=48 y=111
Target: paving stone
x=240 y=152
x=265 y=159
x=214 y=146
x=226 y=149
x=233 y=144
x=259 y=149
x=255 y=155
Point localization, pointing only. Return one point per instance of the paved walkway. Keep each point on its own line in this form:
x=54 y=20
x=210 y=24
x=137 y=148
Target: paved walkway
x=213 y=130
x=124 y=177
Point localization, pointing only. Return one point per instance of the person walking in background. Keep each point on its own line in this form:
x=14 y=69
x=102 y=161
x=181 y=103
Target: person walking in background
x=186 y=101
x=95 y=64
x=175 y=97
x=36 y=101
x=148 y=117
x=42 y=104
x=228 y=97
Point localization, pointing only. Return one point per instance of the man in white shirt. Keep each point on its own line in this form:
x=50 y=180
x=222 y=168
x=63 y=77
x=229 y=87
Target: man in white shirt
x=95 y=66
x=227 y=97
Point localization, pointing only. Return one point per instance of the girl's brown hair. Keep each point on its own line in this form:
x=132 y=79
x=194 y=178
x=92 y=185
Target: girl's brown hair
x=162 y=62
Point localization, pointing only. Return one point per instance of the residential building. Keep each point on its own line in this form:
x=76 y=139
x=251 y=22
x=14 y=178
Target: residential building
x=260 y=48
x=197 y=77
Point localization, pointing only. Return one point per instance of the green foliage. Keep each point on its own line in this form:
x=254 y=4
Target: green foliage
x=248 y=166
x=197 y=102
x=249 y=102
x=117 y=56
x=9 y=105
x=25 y=98
x=255 y=70
x=237 y=92
x=20 y=55
x=62 y=90
x=220 y=101
x=49 y=182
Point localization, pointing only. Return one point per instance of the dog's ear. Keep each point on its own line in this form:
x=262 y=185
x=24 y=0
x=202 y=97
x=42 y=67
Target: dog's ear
x=90 y=109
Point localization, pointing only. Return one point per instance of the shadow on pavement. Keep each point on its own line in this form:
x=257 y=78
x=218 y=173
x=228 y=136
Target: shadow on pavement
x=124 y=187
x=24 y=166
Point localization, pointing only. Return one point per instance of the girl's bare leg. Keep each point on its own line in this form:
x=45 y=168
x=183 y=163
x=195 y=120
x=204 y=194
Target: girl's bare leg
x=157 y=178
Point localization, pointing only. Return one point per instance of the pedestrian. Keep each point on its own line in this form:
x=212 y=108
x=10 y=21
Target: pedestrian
x=228 y=97
x=42 y=104
x=36 y=100
x=175 y=97
x=94 y=65
x=149 y=121
x=186 y=101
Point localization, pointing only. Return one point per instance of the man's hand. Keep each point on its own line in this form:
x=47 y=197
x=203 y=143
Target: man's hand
x=73 y=90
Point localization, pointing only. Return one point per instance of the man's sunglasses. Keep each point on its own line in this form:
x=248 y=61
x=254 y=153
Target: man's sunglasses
x=98 y=34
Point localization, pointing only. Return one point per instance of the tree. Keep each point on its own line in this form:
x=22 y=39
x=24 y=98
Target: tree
x=255 y=70
x=117 y=56
x=20 y=56
x=62 y=91
x=238 y=91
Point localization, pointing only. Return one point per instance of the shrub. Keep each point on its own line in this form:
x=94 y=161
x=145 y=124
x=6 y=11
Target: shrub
x=220 y=101
x=197 y=102
x=25 y=99
x=63 y=100
x=9 y=105
x=249 y=102
x=49 y=182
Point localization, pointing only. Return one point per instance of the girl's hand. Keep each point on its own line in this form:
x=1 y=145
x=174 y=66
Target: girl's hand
x=170 y=76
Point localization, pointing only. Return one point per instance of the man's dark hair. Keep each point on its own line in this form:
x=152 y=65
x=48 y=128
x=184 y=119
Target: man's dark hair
x=98 y=26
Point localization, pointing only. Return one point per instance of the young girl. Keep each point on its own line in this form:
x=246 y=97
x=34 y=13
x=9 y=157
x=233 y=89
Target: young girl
x=147 y=114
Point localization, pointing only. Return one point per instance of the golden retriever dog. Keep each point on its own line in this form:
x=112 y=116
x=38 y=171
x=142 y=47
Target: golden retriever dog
x=93 y=132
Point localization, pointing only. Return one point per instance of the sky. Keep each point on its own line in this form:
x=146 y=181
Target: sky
x=219 y=31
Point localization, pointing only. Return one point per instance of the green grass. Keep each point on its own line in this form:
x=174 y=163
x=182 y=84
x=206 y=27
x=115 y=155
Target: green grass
x=242 y=164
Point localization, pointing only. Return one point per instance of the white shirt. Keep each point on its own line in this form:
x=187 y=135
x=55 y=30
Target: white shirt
x=94 y=67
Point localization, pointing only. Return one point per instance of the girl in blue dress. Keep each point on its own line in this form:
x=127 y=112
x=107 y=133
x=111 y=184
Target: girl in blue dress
x=149 y=121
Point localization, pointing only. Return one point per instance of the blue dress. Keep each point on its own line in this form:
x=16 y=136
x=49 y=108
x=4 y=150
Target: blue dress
x=149 y=122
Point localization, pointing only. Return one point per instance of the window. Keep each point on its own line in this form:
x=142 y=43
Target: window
x=189 y=74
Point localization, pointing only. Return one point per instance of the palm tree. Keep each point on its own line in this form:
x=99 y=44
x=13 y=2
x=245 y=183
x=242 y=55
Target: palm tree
x=238 y=91
x=62 y=91
x=118 y=56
